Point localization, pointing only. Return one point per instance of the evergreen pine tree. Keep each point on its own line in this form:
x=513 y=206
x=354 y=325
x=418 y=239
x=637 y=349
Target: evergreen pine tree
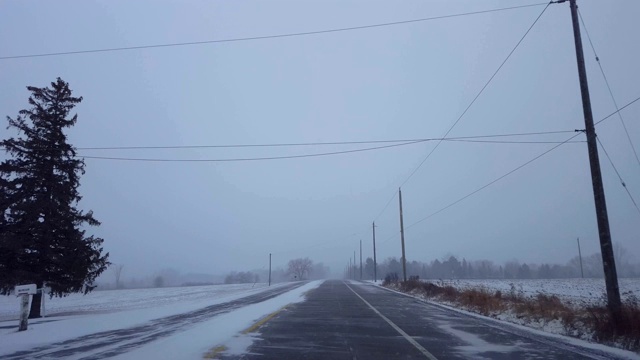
x=43 y=236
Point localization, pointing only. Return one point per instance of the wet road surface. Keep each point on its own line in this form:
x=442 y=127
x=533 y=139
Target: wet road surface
x=361 y=321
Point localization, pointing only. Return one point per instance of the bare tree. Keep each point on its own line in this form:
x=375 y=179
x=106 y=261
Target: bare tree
x=117 y=270
x=300 y=267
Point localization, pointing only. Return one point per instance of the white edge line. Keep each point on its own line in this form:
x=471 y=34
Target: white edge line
x=396 y=327
x=513 y=328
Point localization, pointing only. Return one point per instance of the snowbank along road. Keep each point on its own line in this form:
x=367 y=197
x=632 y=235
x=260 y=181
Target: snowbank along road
x=350 y=320
x=107 y=344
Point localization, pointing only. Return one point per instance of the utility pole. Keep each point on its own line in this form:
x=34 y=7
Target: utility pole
x=360 y=259
x=375 y=265
x=608 y=261
x=354 y=265
x=350 y=268
x=404 y=259
x=580 y=256
x=269 y=269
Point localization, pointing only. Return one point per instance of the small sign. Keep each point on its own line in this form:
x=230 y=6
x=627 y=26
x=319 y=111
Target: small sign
x=29 y=289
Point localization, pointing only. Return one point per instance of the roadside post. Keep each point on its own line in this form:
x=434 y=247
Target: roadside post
x=24 y=291
x=44 y=290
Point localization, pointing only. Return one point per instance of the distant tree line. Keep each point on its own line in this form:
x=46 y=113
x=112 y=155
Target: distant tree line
x=297 y=269
x=452 y=267
x=241 y=278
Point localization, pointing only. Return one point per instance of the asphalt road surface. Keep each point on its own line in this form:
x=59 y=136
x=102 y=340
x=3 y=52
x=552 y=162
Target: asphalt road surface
x=106 y=344
x=360 y=321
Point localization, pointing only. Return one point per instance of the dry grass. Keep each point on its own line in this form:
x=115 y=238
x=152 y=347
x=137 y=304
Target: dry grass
x=626 y=331
x=542 y=308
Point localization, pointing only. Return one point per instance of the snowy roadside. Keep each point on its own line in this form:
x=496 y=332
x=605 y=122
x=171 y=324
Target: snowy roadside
x=59 y=328
x=551 y=328
x=128 y=299
x=223 y=332
x=579 y=292
x=544 y=333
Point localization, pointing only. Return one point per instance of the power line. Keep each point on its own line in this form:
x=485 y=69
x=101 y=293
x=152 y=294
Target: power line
x=615 y=103
x=191 y=43
x=249 y=159
x=472 y=101
x=479 y=93
x=512 y=134
x=483 y=187
x=364 y=142
x=618 y=111
x=386 y=206
x=481 y=141
x=492 y=182
x=516 y=169
x=301 y=144
x=624 y=185
x=514 y=142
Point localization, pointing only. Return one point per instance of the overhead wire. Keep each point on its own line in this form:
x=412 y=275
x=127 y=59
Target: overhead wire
x=394 y=144
x=492 y=182
x=472 y=101
x=618 y=110
x=511 y=172
x=479 y=93
x=624 y=185
x=512 y=142
x=604 y=76
x=395 y=194
x=265 y=37
x=302 y=144
x=484 y=186
x=249 y=159
x=385 y=206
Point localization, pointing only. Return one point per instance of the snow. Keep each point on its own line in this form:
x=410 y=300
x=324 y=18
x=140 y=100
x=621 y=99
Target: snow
x=476 y=345
x=126 y=310
x=127 y=299
x=509 y=320
x=223 y=330
x=577 y=292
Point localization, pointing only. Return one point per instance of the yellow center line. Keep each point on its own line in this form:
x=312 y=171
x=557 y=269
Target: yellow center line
x=261 y=322
x=213 y=353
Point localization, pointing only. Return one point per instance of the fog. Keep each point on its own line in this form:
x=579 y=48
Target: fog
x=407 y=81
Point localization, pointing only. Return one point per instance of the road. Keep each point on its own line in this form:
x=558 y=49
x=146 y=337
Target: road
x=349 y=320
x=107 y=344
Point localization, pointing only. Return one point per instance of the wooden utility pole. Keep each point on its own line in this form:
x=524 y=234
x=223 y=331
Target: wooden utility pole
x=580 y=256
x=608 y=261
x=375 y=265
x=24 y=312
x=354 y=265
x=404 y=259
x=360 y=259
x=269 y=269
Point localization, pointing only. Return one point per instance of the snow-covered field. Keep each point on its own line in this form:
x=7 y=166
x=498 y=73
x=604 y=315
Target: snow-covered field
x=577 y=292
x=105 y=311
x=128 y=299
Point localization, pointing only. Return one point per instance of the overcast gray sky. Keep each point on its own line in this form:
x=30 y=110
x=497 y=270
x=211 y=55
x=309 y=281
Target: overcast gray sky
x=395 y=82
